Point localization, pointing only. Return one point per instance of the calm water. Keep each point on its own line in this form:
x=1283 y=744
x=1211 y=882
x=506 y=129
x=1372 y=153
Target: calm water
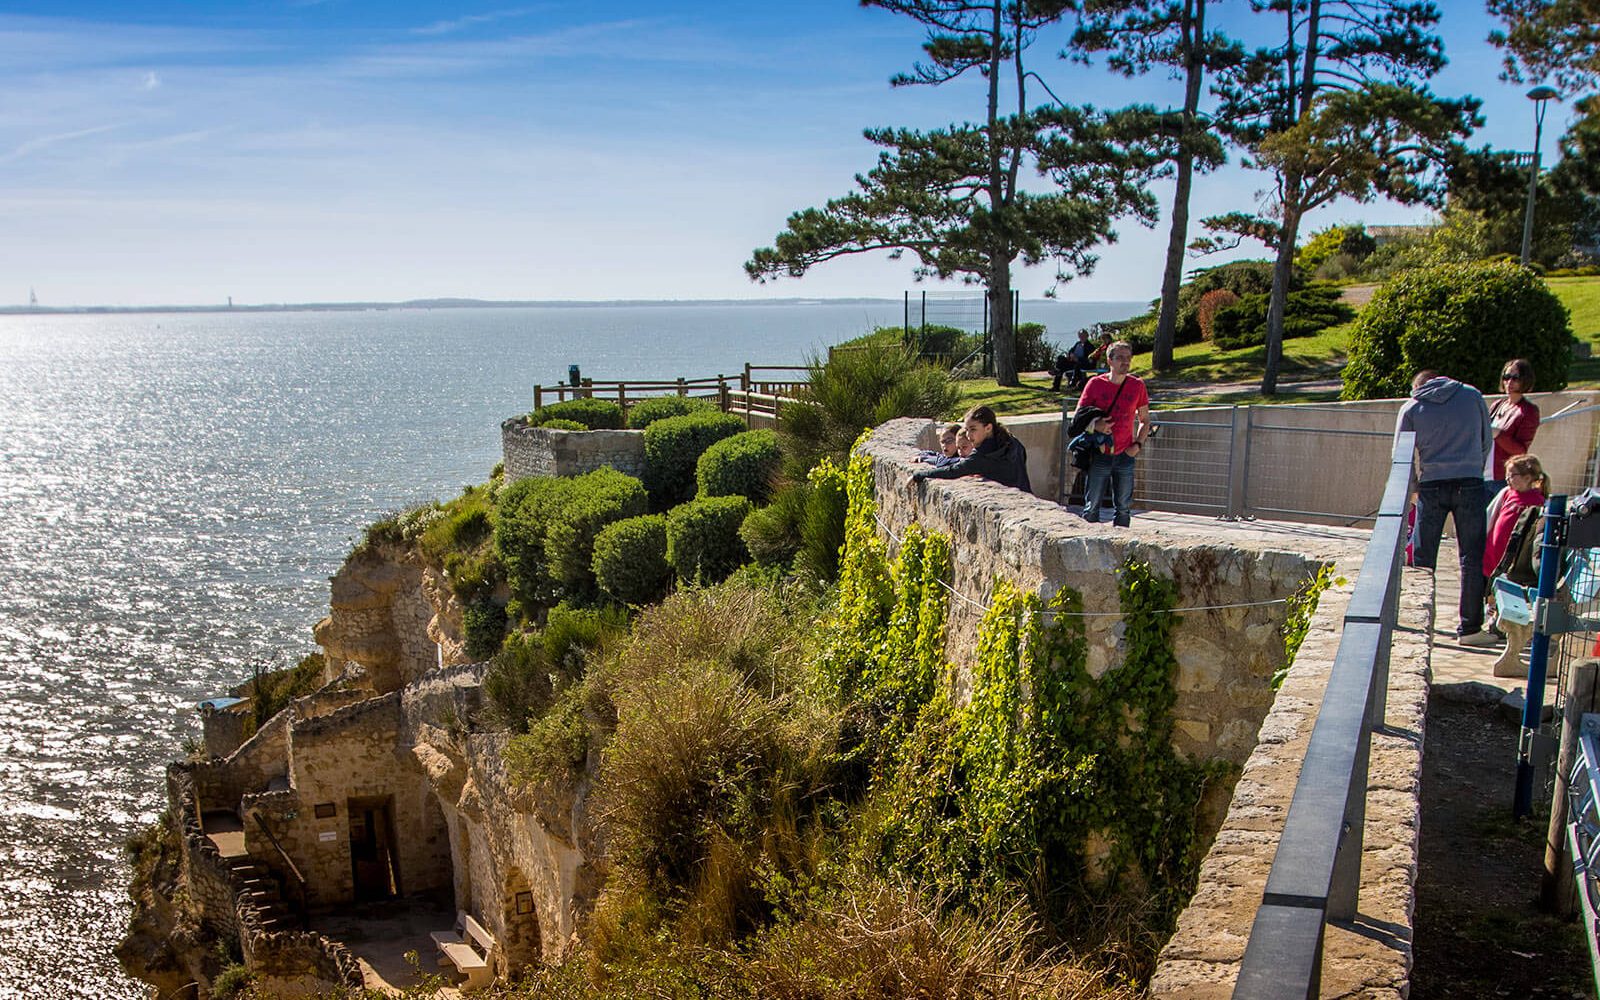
x=176 y=489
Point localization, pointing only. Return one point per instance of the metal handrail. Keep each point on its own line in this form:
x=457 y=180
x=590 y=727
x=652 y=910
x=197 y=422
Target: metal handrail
x=1316 y=872
x=299 y=879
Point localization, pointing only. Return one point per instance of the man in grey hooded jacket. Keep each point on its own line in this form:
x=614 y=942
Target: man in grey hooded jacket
x=1454 y=440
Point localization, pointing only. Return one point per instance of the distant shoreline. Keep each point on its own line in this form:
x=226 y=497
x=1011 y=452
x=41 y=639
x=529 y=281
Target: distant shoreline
x=428 y=304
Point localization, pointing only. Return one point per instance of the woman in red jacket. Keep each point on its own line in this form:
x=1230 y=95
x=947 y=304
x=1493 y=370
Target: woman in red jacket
x=1514 y=420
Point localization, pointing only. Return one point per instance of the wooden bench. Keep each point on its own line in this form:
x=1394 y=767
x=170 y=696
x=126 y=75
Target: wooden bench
x=457 y=948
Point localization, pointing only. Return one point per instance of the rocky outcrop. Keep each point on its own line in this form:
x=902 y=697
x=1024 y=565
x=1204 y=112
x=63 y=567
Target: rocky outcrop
x=391 y=619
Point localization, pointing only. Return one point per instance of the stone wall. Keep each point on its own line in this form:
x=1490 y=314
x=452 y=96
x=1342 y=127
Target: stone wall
x=542 y=451
x=1226 y=655
x=391 y=616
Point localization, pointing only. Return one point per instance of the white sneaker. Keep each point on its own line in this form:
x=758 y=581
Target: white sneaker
x=1478 y=640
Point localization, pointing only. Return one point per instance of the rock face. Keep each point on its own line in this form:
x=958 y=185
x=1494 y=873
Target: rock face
x=392 y=618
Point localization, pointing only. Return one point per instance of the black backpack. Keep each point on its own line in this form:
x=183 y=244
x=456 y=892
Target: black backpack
x=1520 y=563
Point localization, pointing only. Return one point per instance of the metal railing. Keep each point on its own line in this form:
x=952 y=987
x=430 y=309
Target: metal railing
x=302 y=898
x=1583 y=834
x=1316 y=872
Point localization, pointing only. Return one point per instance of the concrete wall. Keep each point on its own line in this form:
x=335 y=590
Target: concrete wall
x=542 y=451
x=1275 y=461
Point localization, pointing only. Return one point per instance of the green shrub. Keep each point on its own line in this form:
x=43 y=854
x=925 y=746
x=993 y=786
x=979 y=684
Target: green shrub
x=593 y=414
x=593 y=501
x=855 y=390
x=570 y=634
x=1034 y=352
x=556 y=744
x=742 y=465
x=1463 y=320
x=1211 y=303
x=772 y=533
x=527 y=508
x=647 y=411
x=1307 y=312
x=272 y=690
x=558 y=424
x=822 y=529
x=233 y=981
x=630 y=559
x=483 y=624
x=703 y=543
x=516 y=687
x=673 y=445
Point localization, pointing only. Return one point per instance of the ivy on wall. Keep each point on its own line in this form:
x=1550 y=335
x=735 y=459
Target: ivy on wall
x=1043 y=761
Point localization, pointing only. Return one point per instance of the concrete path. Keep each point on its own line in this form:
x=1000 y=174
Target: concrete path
x=1454 y=663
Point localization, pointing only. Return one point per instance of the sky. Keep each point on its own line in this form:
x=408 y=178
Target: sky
x=355 y=150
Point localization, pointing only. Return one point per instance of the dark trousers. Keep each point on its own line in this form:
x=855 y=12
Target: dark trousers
x=1463 y=500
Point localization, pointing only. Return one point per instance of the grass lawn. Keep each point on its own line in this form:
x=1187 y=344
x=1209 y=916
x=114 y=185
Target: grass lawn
x=1319 y=358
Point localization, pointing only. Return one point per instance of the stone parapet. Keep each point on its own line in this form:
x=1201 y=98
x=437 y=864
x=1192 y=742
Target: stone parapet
x=543 y=451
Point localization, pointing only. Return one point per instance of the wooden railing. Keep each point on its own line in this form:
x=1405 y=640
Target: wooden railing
x=760 y=380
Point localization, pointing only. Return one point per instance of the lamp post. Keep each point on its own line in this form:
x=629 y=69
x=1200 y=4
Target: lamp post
x=1540 y=96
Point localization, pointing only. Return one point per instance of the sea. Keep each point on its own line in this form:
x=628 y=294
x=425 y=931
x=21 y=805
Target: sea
x=177 y=488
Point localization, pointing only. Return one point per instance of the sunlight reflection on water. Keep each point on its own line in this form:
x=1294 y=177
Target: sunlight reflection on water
x=175 y=491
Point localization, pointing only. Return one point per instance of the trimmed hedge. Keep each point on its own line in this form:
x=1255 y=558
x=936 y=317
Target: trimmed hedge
x=742 y=465
x=647 y=411
x=593 y=414
x=597 y=499
x=630 y=559
x=558 y=424
x=703 y=543
x=1307 y=312
x=527 y=507
x=673 y=446
x=1463 y=320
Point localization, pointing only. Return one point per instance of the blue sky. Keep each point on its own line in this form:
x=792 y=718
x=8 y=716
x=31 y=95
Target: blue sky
x=321 y=150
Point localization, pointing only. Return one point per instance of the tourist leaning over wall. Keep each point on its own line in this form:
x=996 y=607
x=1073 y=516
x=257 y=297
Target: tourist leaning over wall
x=996 y=455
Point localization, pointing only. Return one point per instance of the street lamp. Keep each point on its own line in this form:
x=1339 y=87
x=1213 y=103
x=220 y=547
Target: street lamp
x=1540 y=96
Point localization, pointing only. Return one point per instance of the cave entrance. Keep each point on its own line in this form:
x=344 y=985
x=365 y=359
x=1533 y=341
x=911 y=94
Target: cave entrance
x=374 y=865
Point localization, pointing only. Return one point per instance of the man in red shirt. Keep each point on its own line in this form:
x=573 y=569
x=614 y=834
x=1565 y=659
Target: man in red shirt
x=1124 y=397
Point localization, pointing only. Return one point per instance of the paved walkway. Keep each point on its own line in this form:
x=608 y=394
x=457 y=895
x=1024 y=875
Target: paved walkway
x=1452 y=662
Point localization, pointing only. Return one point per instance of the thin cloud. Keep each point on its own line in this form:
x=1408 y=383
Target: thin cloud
x=45 y=142
x=151 y=81
x=471 y=20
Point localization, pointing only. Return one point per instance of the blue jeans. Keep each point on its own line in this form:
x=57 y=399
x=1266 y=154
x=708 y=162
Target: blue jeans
x=1115 y=471
x=1463 y=500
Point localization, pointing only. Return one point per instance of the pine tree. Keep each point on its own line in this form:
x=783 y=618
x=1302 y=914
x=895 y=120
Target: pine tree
x=953 y=196
x=1339 y=109
x=1140 y=35
x=1555 y=39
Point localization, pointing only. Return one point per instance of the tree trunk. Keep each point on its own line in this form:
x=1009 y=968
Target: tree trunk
x=1002 y=324
x=1282 y=274
x=1172 y=277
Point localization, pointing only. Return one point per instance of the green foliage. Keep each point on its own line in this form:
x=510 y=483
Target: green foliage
x=703 y=544
x=772 y=533
x=630 y=559
x=517 y=685
x=593 y=501
x=647 y=411
x=483 y=624
x=527 y=508
x=741 y=465
x=555 y=745
x=1310 y=311
x=1302 y=605
x=1241 y=277
x=673 y=446
x=592 y=414
x=573 y=634
x=1034 y=351
x=233 y=981
x=857 y=389
x=822 y=529
x=1335 y=241
x=559 y=424
x=271 y=691
x=1463 y=320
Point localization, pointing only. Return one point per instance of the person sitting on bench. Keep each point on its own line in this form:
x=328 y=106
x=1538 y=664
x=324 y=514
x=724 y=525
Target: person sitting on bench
x=1074 y=364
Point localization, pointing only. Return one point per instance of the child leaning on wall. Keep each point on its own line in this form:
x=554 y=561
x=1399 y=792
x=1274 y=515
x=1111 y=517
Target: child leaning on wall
x=1526 y=486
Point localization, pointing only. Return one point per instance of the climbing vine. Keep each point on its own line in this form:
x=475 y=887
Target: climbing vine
x=1043 y=760
x=1302 y=604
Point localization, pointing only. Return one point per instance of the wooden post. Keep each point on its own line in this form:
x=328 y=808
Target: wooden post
x=683 y=390
x=744 y=381
x=1559 y=891
x=538 y=396
x=722 y=393
x=588 y=389
x=622 y=396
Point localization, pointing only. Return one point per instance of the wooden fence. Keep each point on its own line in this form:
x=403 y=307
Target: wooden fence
x=756 y=390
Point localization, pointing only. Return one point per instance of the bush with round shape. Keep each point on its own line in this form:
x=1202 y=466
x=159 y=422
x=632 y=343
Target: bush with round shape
x=593 y=414
x=630 y=559
x=1462 y=320
x=1307 y=312
x=703 y=543
x=527 y=508
x=558 y=424
x=673 y=446
x=594 y=500
x=1210 y=303
x=742 y=465
x=647 y=411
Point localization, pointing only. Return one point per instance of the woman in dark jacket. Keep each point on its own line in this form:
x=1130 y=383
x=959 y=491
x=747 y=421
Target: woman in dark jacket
x=996 y=455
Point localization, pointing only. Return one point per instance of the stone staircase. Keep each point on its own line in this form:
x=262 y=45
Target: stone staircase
x=260 y=887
